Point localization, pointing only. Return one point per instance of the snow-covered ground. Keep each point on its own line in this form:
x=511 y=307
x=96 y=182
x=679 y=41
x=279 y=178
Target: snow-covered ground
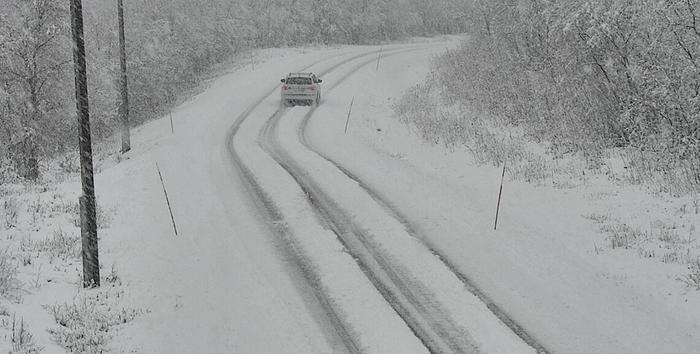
x=294 y=237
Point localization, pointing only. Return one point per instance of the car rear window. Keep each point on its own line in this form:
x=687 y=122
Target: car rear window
x=298 y=81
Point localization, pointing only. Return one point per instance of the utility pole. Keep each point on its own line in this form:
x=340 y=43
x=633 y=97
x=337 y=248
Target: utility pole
x=88 y=221
x=124 y=106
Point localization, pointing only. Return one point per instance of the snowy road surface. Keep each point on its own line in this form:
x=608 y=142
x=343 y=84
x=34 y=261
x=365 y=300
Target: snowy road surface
x=296 y=237
x=323 y=212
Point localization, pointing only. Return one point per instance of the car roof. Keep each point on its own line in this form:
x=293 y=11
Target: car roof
x=299 y=74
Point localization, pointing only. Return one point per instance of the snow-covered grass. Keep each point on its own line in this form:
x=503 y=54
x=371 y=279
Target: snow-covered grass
x=61 y=246
x=10 y=212
x=660 y=227
x=8 y=275
x=22 y=339
x=667 y=243
x=87 y=324
x=40 y=272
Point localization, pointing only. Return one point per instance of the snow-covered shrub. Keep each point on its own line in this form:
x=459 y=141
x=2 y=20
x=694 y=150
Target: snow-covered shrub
x=10 y=212
x=454 y=126
x=87 y=324
x=113 y=276
x=692 y=279
x=8 y=273
x=7 y=172
x=419 y=108
x=587 y=76
x=622 y=235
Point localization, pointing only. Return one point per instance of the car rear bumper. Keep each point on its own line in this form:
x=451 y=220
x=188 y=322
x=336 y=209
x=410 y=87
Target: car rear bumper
x=299 y=96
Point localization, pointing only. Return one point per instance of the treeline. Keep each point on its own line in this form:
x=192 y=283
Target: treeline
x=170 y=43
x=588 y=75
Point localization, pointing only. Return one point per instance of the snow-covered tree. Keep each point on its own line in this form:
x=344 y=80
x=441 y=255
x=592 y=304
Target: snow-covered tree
x=170 y=44
x=33 y=56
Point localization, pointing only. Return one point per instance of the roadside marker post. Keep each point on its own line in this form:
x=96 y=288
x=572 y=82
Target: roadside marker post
x=378 y=58
x=172 y=127
x=500 y=191
x=167 y=200
x=347 y=121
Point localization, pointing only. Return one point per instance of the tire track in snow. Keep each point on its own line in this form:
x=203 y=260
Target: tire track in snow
x=270 y=212
x=393 y=211
x=427 y=325
x=425 y=318
x=469 y=284
x=412 y=310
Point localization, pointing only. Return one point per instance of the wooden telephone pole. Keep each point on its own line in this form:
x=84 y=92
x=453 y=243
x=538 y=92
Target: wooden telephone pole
x=88 y=221
x=124 y=106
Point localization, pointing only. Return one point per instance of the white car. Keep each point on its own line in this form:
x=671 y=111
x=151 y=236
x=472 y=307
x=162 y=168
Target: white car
x=301 y=88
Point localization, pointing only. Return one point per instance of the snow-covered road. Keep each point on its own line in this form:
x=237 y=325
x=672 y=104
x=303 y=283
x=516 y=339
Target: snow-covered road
x=319 y=205
x=296 y=237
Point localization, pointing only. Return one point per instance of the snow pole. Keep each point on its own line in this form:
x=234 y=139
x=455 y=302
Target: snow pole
x=347 y=121
x=88 y=218
x=172 y=127
x=500 y=191
x=167 y=200
x=378 y=58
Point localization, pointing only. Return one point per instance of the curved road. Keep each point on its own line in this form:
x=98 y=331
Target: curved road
x=432 y=316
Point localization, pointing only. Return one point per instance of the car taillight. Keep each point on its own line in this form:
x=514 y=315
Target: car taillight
x=284 y=87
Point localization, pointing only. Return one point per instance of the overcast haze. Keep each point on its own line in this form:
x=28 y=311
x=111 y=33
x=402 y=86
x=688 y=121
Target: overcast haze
x=365 y=176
